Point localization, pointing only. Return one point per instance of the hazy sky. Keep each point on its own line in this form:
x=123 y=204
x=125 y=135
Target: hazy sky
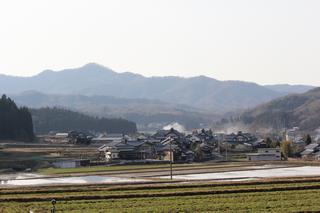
x=271 y=41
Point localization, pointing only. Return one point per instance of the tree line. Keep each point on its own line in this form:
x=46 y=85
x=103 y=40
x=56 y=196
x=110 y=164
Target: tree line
x=15 y=122
x=63 y=120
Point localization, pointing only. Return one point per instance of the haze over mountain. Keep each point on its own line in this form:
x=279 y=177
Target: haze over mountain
x=93 y=79
x=299 y=110
x=148 y=114
x=287 y=88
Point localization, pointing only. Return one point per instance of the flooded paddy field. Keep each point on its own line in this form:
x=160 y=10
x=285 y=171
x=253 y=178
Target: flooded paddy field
x=268 y=172
x=132 y=174
x=259 y=187
x=65 y=180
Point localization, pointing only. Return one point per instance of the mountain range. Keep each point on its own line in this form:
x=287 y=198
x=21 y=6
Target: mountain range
x=289 y=89
x=98 y=90
x=201 y=91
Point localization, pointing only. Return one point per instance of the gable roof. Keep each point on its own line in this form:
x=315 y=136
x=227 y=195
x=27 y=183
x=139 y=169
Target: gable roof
x=312 y=146
x=307 y=152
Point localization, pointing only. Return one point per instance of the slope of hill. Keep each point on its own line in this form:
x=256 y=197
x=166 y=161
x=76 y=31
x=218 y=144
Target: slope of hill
x=148 y=114
x=93 y=79
x=62 y=120
x=301 y=110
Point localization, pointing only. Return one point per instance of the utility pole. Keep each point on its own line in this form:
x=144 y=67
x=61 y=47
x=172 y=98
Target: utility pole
x=170 y=159
x=227 y=152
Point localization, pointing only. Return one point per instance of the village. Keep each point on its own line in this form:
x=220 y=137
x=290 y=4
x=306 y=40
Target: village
x=170 y=145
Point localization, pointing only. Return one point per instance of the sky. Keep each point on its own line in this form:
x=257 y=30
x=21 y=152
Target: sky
x=262 y=41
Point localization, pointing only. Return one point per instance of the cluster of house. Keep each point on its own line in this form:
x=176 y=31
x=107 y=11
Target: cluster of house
x=307 y=150
x=311 y=152
x=72 y=137
x=172 y=145
x=163 y=145
x=178 y=147
x=295 y=136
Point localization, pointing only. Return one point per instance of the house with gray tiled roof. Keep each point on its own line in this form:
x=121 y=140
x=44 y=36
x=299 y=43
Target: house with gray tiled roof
x=127 y=150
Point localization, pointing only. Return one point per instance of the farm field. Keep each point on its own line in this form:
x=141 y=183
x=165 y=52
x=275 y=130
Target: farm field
x=227 y=171
x=272 y=195
x=126 y=169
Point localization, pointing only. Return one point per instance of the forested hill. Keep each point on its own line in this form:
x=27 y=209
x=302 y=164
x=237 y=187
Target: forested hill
x=301 y=110
x=62 y=120
x=15 y=123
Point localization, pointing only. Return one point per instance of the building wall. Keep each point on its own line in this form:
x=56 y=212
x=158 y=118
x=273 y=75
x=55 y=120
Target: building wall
x=71 y=163
x=65 y=164
x=263 y=157
x=276 y=151
x=167 y=156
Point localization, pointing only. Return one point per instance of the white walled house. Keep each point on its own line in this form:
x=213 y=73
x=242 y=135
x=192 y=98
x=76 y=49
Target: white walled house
x=265 y=154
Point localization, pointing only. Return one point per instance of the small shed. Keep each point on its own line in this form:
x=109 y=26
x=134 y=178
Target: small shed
x=71 y=163
x=265 y=154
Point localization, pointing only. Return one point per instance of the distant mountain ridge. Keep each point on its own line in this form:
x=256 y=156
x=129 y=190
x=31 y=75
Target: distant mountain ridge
x=287 y=88
x=93 y=79
x=199 y=92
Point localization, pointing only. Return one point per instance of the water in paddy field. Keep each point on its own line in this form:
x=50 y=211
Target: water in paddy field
x=33 y=179
x=251 y=173
x=269 y=172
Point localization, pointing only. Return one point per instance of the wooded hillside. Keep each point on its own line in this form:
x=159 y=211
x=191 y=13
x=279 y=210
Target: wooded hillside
x=62 y=120
x=15 y=123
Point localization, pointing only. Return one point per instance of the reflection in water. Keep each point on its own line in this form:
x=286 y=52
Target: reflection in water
x=254 y=174
x=67 y=180
x=2 y=182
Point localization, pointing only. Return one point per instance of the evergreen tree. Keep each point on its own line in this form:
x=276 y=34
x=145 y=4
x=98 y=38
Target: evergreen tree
x=62 y=120
x=15 y=123
x=308 y=139
x=268 y=142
